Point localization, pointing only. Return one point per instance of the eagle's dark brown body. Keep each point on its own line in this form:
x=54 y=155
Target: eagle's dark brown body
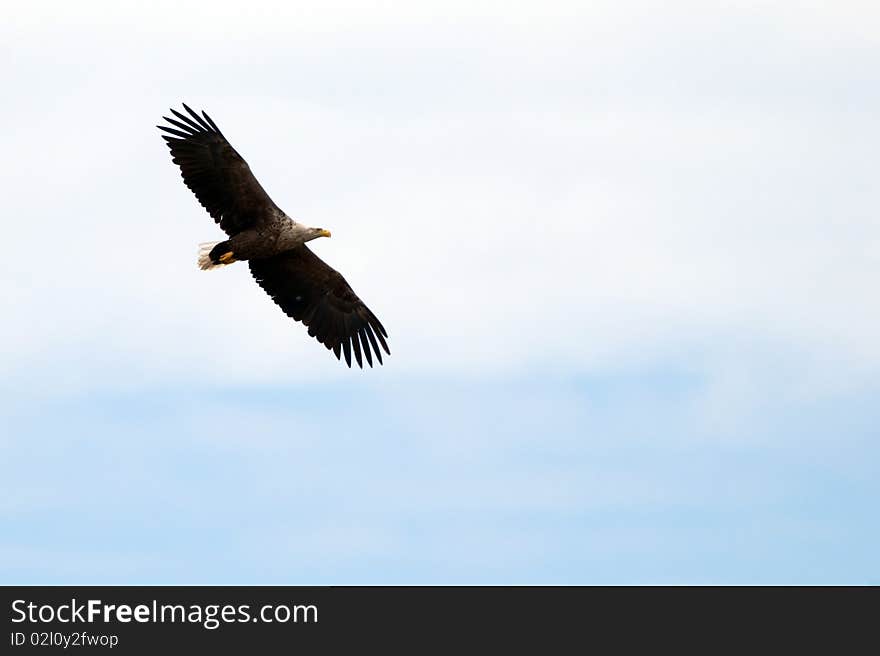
x=303 y=285
x=273 y=235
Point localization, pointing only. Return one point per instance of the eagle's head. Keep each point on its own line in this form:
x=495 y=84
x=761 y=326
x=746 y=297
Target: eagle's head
x=314 y=233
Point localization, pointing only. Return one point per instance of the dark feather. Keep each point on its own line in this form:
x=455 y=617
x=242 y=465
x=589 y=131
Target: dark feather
x=186 y=119
x=346 y=349
x=210 y=122
x=198 y=118
x=185 y=127
x=379 y=334
x=356 y=347
x=366 y=348
x=176 y=133
x=372 y=337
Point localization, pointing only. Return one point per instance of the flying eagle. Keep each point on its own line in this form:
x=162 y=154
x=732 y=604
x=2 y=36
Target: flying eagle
x=300 y=283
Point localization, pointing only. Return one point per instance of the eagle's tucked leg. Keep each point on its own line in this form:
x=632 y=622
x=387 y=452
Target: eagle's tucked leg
x=215 y=254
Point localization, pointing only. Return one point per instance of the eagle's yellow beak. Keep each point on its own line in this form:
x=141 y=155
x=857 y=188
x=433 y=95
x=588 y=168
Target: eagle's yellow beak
x=325 y=233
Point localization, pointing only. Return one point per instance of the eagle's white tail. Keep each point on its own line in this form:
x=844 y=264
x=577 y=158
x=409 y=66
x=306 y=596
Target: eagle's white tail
x=205 y=262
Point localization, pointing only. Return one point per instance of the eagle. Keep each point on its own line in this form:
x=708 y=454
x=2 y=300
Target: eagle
x=274 y=245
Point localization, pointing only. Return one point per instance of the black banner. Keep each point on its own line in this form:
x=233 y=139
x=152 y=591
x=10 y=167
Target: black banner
x=244 y=619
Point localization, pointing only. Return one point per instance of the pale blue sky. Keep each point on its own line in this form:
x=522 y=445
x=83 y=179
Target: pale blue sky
x=626 y=252
x=553 y=479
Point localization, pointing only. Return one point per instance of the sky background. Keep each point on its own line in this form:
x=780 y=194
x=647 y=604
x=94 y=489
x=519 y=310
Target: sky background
x=627 y=254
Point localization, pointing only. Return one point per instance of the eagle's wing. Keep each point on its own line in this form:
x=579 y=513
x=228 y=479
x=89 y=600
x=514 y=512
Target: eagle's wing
x=216 y=173
x=309 y=290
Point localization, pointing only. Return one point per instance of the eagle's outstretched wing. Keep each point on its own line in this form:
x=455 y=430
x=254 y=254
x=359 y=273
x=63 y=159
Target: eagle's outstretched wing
x=311 y=291
x=216 y=173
